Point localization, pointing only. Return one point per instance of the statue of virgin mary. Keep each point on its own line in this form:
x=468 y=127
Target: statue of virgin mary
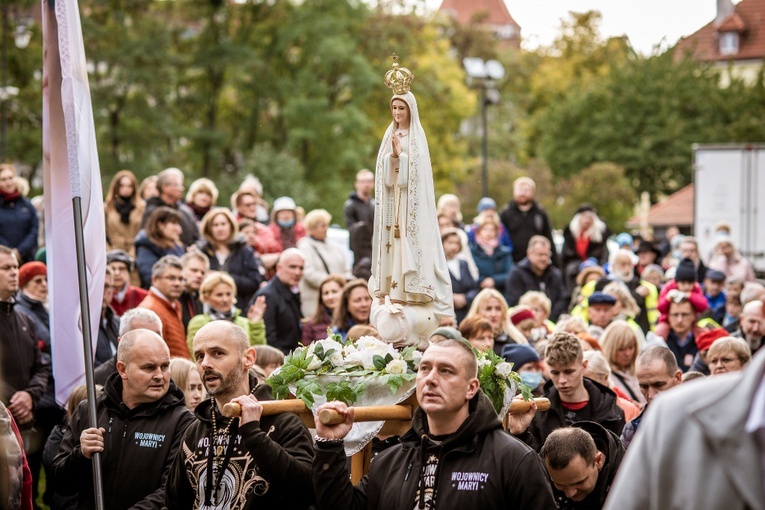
x=408 y=262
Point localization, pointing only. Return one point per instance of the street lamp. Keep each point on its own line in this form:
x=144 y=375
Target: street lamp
x=484 y=75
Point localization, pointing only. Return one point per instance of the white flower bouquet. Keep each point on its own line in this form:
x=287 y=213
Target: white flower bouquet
x=498 y=381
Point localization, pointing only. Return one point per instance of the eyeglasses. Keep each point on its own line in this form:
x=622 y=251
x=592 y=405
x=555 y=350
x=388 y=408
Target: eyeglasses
x=172 y=278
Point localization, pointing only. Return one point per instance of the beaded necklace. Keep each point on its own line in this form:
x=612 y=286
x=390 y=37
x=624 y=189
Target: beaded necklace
x=215 y=465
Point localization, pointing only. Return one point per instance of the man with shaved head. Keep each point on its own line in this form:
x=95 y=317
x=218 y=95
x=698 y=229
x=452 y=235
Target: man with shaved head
x=249 y=461
x=141 y=418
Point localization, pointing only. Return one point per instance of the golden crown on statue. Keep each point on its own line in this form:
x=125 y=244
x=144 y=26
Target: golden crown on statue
x=398 y=79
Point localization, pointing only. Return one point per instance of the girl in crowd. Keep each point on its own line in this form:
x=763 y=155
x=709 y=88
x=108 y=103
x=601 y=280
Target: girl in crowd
x=123 y=210
x=148 y=188
x=620 y=348
x=522 y=322
x=321 y=259
x=464 y=286
x=217 y=295
x=268 y=358
x=491 y=305
x=162 y=236
x=18 y=218
x=201 y=197
x=228 y=251
x=330 y=291
x=354 y=307
x=186 y=377
x=540 y=305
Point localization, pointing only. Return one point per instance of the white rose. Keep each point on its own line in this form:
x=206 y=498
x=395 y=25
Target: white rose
x=396 y=367
x=336 y=358
x=503 y=369
x=330 y=344
x=482 y=362
x=314 y=364
x=348 y=349
x=354 y=358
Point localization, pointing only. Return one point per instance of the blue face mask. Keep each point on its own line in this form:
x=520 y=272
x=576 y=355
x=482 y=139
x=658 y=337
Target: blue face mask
x=531 y=379
x=285 y=224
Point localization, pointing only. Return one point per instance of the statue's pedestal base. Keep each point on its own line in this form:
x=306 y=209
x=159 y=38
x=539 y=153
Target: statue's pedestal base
x=403 y=325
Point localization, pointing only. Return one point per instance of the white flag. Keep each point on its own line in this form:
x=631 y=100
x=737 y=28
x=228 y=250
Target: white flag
x=70 y=165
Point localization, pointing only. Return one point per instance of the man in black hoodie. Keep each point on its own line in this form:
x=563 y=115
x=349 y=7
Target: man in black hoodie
x=141 y=418
x=456 y=454
x=238 y=463
x=582 y=462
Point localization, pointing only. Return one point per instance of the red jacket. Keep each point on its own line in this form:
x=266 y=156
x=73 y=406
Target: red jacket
x=133 y=298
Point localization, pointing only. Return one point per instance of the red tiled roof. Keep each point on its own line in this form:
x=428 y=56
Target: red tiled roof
x=676 y=209
x=748 y=19
x=487 y=12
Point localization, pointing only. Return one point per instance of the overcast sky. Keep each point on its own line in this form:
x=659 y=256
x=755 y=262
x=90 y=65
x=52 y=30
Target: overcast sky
x=645 y=22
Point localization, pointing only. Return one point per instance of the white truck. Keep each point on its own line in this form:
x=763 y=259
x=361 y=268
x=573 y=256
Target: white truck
x=729 y=185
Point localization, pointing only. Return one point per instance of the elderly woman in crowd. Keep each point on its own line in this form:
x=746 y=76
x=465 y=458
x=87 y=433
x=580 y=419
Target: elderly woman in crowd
x=162 y=236
x=123 y=211
x=201 y=197
x=621 y=347
x=330 y=291
x=493 y=259
x=729 y=260
x=322 y=258
x=728 y=354
x=18 y=218
x=228 y=251
x=599 y=371
x=186 y=377
x=218 y=295
x=354 y=307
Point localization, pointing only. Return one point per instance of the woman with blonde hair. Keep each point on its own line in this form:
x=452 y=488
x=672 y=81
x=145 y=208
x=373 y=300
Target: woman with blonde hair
x=728 y=354
x=621 y=347
x=450 y=206
x=123 y=211
x=541 y=306
x=491 y=305
x=599 y=371
x=186 y=377
x=19 y=222
x=217 y=293
x=322 y=258
x=228 y=251
x=201 y=197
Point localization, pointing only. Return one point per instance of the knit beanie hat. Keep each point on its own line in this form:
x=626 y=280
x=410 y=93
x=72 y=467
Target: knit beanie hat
x=686 y=271
x=519 y=355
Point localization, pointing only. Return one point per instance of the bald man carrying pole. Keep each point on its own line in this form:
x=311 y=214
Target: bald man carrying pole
x=141 y=418
x=245 y=462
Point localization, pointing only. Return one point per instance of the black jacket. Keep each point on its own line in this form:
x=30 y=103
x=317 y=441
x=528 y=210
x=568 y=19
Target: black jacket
x=602 y=406
x=108 y=336
x=479 y=466
x=359 y=220
x=23 y=366
x=282 y=317
x=188 y=218
x=523 y=225
x=241 y=264
x=270 y=466
x=191 y=306
x=465 y=285
x=522 y=279
x=612 y=448
x=139 y=447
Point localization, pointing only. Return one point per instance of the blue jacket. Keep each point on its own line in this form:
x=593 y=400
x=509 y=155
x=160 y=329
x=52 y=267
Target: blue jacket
x=497 y=265
x=147 y=253
x=18 y=227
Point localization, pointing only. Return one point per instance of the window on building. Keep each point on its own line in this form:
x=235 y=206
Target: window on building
x=729 y=43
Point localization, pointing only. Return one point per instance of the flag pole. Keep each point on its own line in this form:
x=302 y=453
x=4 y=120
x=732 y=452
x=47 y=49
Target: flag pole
x=87 y=340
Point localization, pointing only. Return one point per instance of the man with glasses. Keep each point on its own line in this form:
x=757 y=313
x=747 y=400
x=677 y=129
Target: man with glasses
x=166 y=289
x=536 y=272
x=683 y=331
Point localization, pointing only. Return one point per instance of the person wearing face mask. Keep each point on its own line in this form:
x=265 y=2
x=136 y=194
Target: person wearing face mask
x=527 y=363
x=284 y=226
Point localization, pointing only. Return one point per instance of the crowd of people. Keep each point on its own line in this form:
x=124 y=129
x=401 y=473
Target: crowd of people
x=202 y=301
